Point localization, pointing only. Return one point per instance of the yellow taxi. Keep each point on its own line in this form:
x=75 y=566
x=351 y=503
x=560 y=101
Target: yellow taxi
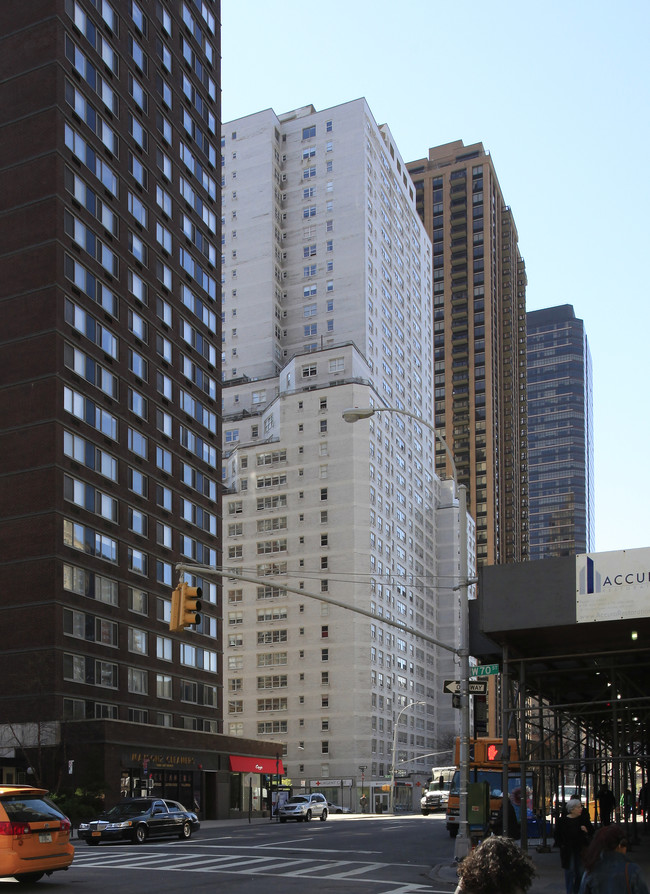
x=34 y=834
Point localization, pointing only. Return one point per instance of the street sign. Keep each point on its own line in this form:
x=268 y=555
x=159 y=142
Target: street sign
x=484 y=670
x=330 y=783
x=476 y=687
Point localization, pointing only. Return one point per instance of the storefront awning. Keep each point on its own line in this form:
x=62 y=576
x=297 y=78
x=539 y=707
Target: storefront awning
x=256 y=765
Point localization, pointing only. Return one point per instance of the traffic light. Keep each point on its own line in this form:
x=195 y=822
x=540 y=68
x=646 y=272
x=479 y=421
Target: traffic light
x=186 y=605
x=190 y=605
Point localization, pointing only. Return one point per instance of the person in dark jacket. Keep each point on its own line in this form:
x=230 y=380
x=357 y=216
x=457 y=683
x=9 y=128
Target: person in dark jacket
x=514 y=827
x=606 y=804
x=496 y=866
x=572 y=835
x=607 y=869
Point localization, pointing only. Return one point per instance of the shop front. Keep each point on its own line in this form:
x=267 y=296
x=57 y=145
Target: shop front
x=162 y=775
x=339 y=793
x=254 y=784
x=121 y=760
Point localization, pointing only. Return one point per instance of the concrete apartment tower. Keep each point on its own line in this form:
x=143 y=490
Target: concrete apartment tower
x=479 y=298
x=110 y=446
x=327 y=305
x=560 y=434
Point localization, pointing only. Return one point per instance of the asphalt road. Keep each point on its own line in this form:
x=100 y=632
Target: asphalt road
x=345 y=855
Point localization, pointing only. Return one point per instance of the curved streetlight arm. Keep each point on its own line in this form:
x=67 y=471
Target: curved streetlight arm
x=354 y=414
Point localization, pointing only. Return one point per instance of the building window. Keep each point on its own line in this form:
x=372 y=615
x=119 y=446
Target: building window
x=163 y=686
x=138 y=561
x=164 y=648
x=138 y=521
x=138 y=681
x=138 y=601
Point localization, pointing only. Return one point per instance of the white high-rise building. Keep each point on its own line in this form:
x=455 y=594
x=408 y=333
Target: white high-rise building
x=327 y=305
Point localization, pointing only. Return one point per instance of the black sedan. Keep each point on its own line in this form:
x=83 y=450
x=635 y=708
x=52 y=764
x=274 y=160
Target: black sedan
x=136 y=819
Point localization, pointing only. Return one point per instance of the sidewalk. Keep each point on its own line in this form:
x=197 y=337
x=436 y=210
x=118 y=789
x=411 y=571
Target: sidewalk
x=549 y=879
x=550 y=875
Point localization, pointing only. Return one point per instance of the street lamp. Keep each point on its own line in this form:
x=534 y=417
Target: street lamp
x=462 y=845
x=392 y=769
x=362 y=799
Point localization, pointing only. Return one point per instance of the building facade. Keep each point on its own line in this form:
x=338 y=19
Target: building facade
x=479 y=299
x=327 y=305
x=560 y=434
x=110 y=442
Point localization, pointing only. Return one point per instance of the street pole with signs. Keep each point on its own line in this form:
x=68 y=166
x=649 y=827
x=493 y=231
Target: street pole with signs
x=354 y=414
x=391 y=796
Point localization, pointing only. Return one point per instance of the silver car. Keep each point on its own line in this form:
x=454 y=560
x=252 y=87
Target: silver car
x=302 y=807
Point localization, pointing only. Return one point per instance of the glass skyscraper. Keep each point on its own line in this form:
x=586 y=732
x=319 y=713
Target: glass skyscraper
x=560 y=434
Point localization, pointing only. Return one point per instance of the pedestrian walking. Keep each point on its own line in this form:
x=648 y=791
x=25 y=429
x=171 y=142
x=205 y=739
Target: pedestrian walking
x=627 y=800
x=607 y=869
x=496 y=866
x=573 y=833
x=606 y=804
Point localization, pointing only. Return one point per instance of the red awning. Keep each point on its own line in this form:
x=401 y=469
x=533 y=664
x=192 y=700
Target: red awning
x=256 y=765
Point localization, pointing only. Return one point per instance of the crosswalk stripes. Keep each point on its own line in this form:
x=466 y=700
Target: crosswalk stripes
x=249 y=864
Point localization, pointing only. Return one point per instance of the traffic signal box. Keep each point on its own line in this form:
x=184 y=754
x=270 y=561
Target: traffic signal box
x=486 y=752
x=186 y=605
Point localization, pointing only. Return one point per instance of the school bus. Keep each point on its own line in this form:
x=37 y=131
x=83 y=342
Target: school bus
x=486 y=765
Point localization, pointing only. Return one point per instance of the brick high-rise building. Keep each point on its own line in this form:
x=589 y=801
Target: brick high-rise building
x=110 y=449
x=479 y=297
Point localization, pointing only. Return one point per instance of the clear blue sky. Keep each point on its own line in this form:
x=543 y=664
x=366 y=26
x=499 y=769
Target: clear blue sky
x=558 y=93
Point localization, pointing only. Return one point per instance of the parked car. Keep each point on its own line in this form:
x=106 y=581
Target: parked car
x=34 y=834
x=136 y=819
x=302 y=807
x=336 y=808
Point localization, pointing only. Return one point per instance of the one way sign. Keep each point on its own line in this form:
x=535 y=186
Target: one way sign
x=476 y=687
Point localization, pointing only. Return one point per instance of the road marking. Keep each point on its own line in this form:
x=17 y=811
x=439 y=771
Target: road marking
x=367 y=867
x=248 y=864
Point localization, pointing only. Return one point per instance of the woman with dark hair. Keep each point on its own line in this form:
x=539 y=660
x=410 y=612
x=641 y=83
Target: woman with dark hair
x=607 y=869
x=496 y=866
